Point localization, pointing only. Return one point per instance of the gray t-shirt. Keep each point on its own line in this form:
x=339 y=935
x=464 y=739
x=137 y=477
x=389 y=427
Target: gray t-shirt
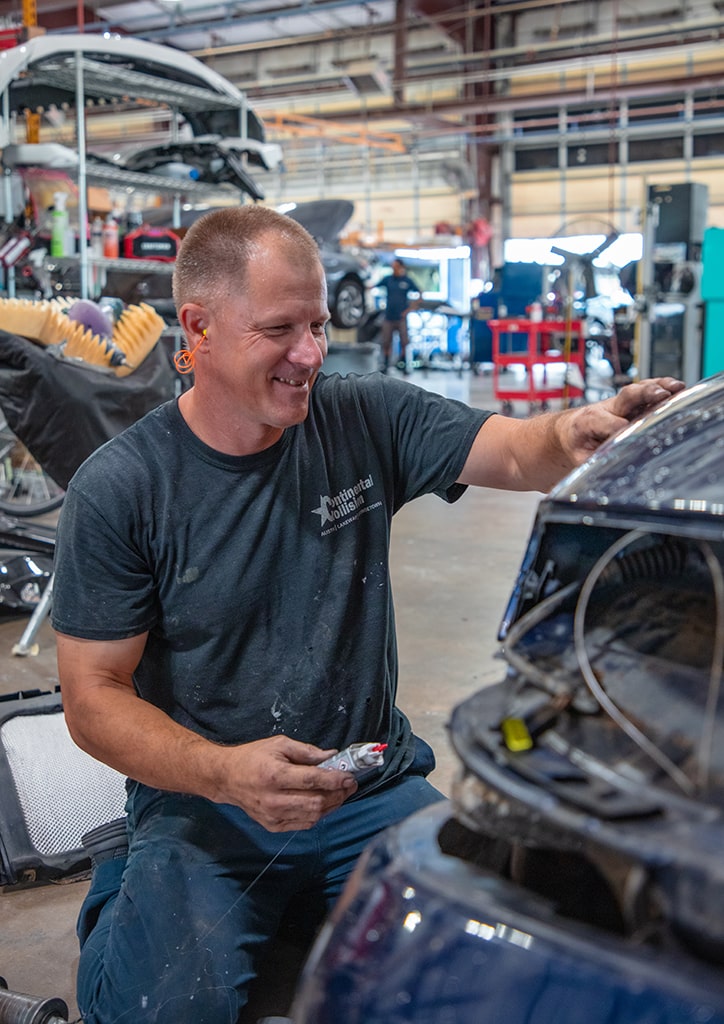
x=262 y=580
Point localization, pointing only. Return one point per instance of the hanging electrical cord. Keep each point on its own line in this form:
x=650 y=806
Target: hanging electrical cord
x=527 y=622
x=670 y=558
x=664 y=559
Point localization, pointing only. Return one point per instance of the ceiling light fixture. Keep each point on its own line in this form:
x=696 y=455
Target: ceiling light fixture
x=366 y=78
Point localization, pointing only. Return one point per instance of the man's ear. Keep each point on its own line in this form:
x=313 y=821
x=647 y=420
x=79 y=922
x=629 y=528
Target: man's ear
x=194 y=321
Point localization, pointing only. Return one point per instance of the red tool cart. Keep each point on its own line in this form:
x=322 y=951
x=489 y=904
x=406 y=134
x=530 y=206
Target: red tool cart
x=537 y=345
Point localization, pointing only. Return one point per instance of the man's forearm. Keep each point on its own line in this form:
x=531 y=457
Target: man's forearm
x=518 y=455
x=543 y=458
x=275 y=780
x=536 y=453
x=112 y=724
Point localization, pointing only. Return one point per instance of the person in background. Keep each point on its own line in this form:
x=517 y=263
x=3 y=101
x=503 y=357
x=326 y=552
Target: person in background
x=401 y=292
x=224 y=619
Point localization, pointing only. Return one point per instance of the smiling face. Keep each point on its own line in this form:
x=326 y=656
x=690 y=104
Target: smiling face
x=265 y=343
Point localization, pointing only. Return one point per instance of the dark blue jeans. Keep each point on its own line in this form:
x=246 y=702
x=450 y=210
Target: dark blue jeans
x=175 y=932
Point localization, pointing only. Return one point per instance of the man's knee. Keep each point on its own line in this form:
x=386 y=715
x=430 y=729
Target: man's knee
x=203 y=1002
x=162 y=949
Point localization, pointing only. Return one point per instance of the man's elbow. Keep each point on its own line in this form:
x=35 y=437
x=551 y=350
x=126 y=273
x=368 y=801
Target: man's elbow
x=77 y=718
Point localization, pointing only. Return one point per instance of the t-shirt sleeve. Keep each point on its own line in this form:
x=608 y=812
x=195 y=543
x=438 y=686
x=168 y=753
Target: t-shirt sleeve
x=99 y=577
x=434 y=443
x=428 y=436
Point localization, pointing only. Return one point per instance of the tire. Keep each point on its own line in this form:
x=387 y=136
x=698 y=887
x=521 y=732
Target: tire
x=25 y=489
x=347 y=308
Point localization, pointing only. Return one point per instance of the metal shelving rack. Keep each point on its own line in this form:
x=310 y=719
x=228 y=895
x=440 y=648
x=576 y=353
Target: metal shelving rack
x=70 y=70
x=69 y=67
x=104 y=81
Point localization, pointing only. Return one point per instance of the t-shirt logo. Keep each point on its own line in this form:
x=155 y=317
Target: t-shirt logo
x=344 y=506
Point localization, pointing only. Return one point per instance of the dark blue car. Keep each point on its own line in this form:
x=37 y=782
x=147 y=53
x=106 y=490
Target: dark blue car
x=577 y=874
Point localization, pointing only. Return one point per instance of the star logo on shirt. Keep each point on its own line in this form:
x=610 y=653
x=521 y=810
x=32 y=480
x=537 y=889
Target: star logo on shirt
x=324 y=511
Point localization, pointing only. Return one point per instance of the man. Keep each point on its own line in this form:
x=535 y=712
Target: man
x=224 y=619
x=399 y=289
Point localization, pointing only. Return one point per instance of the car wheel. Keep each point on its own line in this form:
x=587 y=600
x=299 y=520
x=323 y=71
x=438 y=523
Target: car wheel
x=347 y=308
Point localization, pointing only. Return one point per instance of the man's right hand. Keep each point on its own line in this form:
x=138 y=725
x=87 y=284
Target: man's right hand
x=277 y=783
x=275 y=780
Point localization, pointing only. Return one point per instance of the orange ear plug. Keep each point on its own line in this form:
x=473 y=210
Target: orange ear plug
x=184 y=360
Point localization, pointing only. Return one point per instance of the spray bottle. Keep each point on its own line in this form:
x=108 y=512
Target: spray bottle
x=358 y=758
x=59 y=226
x=110 y=237
x=176 y=169
x=96 y=235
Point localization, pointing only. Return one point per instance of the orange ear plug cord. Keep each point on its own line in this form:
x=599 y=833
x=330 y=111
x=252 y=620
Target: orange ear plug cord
x=185 y=359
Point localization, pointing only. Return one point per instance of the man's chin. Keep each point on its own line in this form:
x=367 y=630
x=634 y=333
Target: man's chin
x=296 y=413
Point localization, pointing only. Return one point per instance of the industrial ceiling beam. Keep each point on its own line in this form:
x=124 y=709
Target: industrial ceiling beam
x=182 y=20
x=418 y=113
x=503 y=63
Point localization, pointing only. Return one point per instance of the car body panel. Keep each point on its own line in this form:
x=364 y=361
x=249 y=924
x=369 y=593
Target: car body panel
x=641 y=469
x=576 y=875
x=422 y=936
x=42 y=72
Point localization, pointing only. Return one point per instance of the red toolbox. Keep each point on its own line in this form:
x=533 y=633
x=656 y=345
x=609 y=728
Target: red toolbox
x=549 y=343
x=146 y=243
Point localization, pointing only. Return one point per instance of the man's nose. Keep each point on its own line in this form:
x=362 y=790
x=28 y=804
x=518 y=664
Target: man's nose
x=310 y=349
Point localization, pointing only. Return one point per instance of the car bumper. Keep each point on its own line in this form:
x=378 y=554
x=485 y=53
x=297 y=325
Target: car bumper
x=423 y=935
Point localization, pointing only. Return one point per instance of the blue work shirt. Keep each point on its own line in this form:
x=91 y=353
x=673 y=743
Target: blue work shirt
x=398 y=289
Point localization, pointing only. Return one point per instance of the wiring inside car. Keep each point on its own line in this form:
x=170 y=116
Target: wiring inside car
x=622 y=564
x=624 y=722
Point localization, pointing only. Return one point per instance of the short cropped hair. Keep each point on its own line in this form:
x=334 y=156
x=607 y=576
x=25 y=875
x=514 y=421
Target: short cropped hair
x=215 y=252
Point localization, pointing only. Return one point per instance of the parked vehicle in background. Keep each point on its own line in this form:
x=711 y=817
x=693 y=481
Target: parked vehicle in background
x=347 y=274
x=576 y=874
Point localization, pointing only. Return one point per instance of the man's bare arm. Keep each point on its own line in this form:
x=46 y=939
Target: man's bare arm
x=274 y=780
x=534 y=454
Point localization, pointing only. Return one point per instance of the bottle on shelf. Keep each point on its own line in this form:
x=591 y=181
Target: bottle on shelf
x=176 y=169
x=110 y=237
x=96 y=237
x=59 y=226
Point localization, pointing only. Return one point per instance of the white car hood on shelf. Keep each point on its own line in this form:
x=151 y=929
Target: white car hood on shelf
x=177 y=68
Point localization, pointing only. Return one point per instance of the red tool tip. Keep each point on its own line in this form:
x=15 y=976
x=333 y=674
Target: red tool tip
x=378 y=747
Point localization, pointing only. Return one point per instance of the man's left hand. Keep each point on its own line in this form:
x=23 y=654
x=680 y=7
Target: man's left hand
x=534 y=454
x=585 y=428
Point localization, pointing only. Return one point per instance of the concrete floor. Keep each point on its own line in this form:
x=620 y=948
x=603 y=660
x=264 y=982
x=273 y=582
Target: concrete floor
x=453 y=569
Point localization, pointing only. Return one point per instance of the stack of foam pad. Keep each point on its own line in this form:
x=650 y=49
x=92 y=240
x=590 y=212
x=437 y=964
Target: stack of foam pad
x=134 y=334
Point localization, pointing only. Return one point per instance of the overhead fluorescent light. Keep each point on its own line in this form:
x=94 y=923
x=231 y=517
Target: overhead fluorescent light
x=366 y=78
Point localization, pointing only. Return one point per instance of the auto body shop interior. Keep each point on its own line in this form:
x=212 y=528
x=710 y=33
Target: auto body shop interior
x=518 y=206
